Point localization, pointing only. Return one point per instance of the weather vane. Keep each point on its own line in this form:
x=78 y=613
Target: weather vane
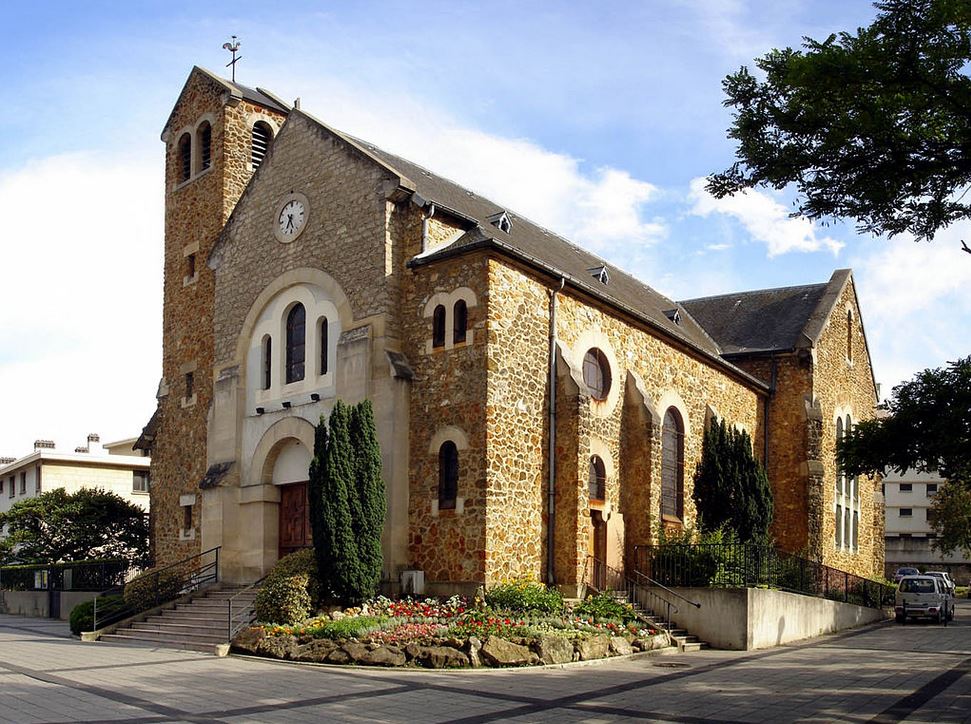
x=232 y=47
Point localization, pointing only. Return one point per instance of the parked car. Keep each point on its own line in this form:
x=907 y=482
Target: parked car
x=944 y=575
x=923 y=597
x=901 y=572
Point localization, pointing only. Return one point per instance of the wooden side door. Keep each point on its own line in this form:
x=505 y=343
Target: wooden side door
x=294 y=518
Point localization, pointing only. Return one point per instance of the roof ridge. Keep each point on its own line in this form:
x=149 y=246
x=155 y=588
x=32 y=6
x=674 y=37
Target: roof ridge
x=756 y=291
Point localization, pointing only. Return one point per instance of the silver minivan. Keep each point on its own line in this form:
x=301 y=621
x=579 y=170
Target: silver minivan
x=923 y=597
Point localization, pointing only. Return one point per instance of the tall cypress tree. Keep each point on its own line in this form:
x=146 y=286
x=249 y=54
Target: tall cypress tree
x=370 y=496
x=315 y=496
x=731 y=488
x=340 y=552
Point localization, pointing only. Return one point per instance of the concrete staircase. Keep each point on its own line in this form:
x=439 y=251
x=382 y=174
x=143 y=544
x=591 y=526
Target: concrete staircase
x=197 y=625
x=684 y=640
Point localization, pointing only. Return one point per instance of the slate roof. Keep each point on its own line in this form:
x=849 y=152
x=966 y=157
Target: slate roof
x=767 y=320
x=541 y=248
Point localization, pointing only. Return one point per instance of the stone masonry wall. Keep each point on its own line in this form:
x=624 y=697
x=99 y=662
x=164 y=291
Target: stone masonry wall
x=195 y=212
x=847 y=386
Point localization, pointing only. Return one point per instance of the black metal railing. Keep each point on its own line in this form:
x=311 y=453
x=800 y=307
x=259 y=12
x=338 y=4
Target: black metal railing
x=155 y=588
x=650 y=595
x=746 y=565
x=94 y=575
x=241 y=611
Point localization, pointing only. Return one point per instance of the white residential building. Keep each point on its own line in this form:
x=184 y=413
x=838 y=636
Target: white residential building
x=113 y=466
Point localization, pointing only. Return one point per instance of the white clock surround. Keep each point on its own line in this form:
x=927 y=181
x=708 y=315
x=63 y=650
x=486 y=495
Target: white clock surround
x=291 y=217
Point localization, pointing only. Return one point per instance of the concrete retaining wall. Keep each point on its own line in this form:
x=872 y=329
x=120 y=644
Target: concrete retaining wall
x=35 y=603
x=743 y=619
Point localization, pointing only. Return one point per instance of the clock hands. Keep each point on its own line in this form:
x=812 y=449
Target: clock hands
x=289 y=221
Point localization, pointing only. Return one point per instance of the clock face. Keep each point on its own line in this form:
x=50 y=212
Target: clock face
x=292 y=217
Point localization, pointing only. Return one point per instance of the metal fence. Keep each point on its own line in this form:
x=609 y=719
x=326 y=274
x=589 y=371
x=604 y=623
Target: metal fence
x=72 y=576
x=156 y=587
x=743 y=565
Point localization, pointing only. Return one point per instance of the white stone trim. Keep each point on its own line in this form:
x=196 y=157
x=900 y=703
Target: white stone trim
x=449 y=432
x=585 y=342
x=671 y=398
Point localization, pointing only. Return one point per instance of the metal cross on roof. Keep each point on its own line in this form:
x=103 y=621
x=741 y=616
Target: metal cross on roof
x=232 y=47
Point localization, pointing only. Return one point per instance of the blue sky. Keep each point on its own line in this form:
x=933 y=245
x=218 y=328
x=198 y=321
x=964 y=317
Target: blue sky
x=597 y=120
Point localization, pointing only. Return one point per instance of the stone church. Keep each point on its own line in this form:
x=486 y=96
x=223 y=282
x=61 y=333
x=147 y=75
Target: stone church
x=535 y=405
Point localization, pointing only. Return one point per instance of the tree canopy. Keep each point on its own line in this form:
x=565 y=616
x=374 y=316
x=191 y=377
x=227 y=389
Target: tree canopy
x=927 y=428
x=58 y=526
x=873 y=125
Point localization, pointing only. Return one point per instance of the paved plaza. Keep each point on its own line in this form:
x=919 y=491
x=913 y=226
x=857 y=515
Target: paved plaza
x=883 y=673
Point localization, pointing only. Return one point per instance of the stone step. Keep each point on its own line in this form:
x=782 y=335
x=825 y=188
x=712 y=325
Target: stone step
x=174 y=636
x=184 y=645
x=177 y=629
x=696 y=646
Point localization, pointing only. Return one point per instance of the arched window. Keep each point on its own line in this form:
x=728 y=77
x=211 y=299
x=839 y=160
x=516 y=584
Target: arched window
x=596 y=373
x=438 y=326
x=322 y=343
x=448 y=475
x=204 y=139
x=460 y=320
x=267 y=362
x=185 y=157
x=849 y=334
x=597 y=479
x=296 y=343
x=839 y=473
x=672 y=465
x=262 y=135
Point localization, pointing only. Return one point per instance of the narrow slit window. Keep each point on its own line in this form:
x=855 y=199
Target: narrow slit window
x=322 y=338
x=460 y=321
x=438 y=326
x=597 y=479
x=267 y=362
x=205 y=146
x=185 y=157
x=189 y=385
x=448 y=475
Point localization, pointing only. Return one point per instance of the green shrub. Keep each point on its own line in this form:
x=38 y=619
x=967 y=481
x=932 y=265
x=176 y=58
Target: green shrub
x=524 y=595
x=152 y=588
x=603 y=606
x=291 y=590
x=82 y=617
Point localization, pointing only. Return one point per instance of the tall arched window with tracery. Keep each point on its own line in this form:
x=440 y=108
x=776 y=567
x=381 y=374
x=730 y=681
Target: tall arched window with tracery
x=296 y=343
x=448 y=475
x=672 y=465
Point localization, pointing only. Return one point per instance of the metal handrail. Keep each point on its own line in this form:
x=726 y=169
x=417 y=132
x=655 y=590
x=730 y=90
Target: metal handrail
x=164 y=588
x=651 y=582
x=232 y=628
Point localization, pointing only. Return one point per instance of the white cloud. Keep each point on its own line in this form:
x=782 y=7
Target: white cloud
x=80 y=321
x=597 y=208
x=765 y=219
x=915 y=302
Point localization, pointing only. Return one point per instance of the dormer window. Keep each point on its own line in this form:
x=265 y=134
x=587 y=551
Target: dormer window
x=262 y=135
x=673 y=315
x=600 y=274
x=501 y=221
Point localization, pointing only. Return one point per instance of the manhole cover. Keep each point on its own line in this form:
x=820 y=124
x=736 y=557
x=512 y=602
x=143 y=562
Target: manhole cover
x=671 y=665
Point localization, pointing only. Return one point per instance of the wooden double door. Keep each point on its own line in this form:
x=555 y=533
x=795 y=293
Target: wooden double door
x=294 y=518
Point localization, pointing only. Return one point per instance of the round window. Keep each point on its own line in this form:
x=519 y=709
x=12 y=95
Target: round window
x=596 y=373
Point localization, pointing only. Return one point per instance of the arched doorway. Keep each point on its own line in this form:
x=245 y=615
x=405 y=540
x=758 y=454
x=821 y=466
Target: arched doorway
x=290 y=475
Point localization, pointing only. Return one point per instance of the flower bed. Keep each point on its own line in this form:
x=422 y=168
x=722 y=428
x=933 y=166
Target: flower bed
x=454 y=633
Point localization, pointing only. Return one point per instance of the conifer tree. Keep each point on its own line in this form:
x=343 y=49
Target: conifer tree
x=371 y=505
x=315 y=495
x=731 y=490
x=337 y=547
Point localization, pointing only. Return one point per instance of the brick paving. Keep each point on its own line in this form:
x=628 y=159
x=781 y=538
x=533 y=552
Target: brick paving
x=885 y=673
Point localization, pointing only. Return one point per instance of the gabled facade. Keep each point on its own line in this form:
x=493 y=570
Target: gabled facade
x=536 y=407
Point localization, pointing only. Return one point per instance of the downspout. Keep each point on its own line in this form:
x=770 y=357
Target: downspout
x=551 y=462
x=424 y=225
x=765 y=417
